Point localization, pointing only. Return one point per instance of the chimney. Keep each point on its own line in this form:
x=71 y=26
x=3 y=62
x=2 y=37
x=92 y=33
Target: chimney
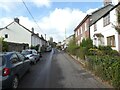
x=16 y=20
x=38 y=34
x=32 y=29
x=107 y=2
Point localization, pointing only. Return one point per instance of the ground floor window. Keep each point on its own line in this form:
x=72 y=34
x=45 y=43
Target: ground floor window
x=111 y=41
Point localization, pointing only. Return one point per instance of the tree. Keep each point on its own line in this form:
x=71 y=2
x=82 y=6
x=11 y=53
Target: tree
x=3 y=45
x=72 y=46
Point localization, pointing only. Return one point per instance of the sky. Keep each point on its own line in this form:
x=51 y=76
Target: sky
x=53 y=17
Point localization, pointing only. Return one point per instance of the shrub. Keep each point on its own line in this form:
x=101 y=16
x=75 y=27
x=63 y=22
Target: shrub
x=114 y=53
x=106 y=67
x=105 y=49
x=92 y=51
x=72 y=47
x=4 y=45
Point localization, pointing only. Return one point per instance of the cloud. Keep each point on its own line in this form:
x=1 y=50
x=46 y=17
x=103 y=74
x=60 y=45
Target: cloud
x=60 y=20
x=5 y=21
x=41 y=3
x=10 y=5
x=55 y=24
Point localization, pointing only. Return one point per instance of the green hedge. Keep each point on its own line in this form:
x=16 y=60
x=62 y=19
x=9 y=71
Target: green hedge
x=106 y=67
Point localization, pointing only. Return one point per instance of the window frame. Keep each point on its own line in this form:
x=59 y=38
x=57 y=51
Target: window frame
x=106 y=20
x=111 y=41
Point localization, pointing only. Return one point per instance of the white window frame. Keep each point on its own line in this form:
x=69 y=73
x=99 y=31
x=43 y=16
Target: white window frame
x=81 y=29
x=85 y=27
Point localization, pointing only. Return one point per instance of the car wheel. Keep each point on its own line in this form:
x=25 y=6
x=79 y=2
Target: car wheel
x=15 y=82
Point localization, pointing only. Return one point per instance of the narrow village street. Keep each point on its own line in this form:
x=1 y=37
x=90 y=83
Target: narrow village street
x=58 y=70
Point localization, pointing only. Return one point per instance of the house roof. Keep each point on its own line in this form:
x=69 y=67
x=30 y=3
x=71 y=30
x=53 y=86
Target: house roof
x=95 y=15
x=102 y=8
x=106 y=13
x=24 y=28
x=100 y=12
x=86 y=17
x=70 y=36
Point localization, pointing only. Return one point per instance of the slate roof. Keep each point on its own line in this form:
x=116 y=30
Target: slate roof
x=94 y=16
x=106 y=13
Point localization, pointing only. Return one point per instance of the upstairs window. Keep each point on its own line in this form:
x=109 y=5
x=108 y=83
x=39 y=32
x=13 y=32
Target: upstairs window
x=95 y=27
x=6 y=35
x=76 y=33
x=85 y=27
x=106 y=20
x=81 y=30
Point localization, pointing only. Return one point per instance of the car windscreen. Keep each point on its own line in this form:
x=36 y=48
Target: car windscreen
x=26 y=52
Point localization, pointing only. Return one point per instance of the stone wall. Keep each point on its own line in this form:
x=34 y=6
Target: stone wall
x=17 y=46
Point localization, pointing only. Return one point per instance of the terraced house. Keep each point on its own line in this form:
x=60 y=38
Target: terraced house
x=99 y=26
x=103 y=32
x=83 y=29
x=18 y=35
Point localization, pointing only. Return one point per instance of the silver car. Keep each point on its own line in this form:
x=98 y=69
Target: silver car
x=32 y=55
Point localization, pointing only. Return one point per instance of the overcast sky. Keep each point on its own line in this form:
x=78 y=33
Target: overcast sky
x=52 y=16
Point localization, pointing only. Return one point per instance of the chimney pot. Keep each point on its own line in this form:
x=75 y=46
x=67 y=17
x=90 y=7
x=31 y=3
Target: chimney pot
x=16 y=20
x=32 y=29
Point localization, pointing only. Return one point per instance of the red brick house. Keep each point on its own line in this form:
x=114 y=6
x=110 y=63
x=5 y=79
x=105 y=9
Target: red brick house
x=82 y=30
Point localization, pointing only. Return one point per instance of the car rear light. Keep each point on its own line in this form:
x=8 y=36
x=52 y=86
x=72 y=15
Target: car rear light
x=6 y=71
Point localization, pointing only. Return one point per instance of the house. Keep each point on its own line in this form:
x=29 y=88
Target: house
x=17 y=33
x=102 y=31
x=68 y=39
x=82 y=31
x=65 y=43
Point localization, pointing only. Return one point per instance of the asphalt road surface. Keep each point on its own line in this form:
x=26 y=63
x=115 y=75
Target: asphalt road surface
x=58 y=70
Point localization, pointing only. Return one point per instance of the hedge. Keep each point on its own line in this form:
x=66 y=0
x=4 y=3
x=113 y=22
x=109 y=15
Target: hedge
x=106 y=67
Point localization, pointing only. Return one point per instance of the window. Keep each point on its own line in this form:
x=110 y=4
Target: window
x=21 y=57
x=78 y=32
x=86 y=27
x=6 y=35
x=14 y=59
x=106 y=20
x=81 y=30
x=95 y=27
x=111 y=41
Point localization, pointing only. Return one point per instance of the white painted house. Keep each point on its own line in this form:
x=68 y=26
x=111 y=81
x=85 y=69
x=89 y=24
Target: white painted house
x=17 y=33
x=102 y=32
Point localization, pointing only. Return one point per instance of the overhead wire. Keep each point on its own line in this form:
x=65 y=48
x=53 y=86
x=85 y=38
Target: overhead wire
x=32 y=16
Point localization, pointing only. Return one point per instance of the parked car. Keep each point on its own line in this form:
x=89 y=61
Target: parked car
x=32 y=55
x=13 y=66
x=48 y=48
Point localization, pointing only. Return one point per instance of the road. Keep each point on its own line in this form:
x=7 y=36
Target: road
x=58 y=70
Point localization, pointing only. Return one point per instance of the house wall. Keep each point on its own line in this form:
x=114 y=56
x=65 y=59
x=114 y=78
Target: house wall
x=36 y=40
x=16 y=34
x=82 y=31
x=106 y=31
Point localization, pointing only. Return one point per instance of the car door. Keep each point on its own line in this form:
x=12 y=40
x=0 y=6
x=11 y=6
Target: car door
x=17 y=65
x=35 y=54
